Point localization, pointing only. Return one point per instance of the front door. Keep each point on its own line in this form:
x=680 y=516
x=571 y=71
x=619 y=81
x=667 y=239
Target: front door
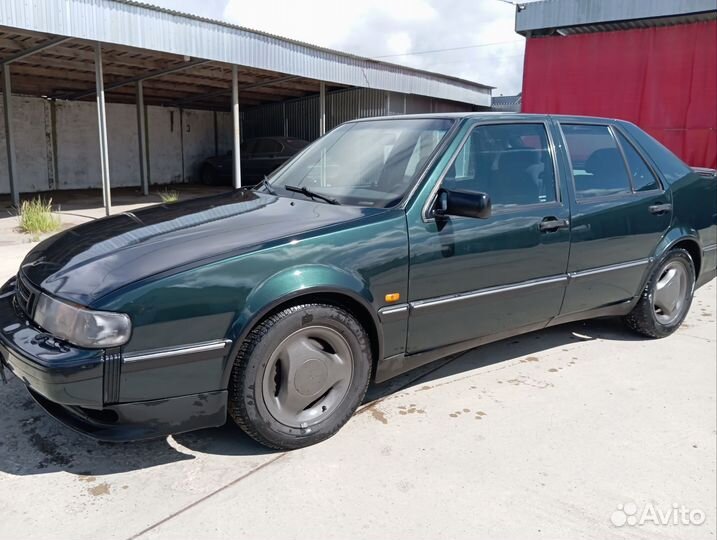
x=471 y=278
x=619 y=215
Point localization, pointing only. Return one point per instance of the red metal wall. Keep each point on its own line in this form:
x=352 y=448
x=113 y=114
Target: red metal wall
x=664 y=79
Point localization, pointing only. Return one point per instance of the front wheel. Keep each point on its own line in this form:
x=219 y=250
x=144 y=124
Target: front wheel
x=300 y=375
x=666 y=298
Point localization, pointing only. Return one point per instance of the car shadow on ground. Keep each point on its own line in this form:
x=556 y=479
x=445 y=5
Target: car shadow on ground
x=33 y=443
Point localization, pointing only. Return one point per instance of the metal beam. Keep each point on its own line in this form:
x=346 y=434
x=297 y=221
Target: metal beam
x=219 y=93
x=32 y=50
x=236 y=136
x=142 y=136
x=9 y=134
x=132 y=80
x=102 y=123
x=322 y=109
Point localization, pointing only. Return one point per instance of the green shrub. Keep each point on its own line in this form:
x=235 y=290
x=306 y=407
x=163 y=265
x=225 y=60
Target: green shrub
x=169 y=196
x=36 y=217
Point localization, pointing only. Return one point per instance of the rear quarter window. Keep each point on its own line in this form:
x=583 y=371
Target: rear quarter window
x=670 y=166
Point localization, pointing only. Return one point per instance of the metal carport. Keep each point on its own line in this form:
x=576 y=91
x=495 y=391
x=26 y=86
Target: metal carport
x=119 y=51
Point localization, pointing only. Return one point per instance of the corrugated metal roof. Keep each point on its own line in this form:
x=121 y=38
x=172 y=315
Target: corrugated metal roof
x=542 y=17
x=134 y=24
x=640 y=23
x=507 y=103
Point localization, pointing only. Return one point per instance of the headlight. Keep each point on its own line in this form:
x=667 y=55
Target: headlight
x=80 y=326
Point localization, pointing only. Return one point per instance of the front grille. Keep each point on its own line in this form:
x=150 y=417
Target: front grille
x=25 y=295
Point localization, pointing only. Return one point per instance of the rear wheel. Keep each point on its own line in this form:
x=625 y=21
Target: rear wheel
x=300 y=375
x=666 y=298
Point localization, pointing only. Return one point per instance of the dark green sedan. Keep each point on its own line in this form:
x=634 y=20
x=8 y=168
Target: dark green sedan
x=385 y=245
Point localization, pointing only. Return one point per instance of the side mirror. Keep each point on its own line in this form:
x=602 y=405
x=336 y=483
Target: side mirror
x=473 y=204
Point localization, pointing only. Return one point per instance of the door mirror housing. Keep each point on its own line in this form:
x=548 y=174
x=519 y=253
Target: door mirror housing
x=473 y=204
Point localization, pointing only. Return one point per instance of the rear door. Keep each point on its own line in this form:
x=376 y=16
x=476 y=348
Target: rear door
x=620 y=211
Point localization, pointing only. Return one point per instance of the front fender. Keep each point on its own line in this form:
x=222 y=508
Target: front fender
x=293 y=283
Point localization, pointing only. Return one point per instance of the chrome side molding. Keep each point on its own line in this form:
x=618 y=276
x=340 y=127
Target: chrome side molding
x=608 y=268
x=393 y=313
x=440 y=300
x=176 y=351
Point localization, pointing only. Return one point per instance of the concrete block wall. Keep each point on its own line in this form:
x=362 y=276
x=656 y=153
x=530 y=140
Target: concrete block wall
x=57 y=147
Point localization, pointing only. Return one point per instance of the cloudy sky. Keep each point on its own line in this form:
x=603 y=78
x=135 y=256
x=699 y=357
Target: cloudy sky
x=472 y=39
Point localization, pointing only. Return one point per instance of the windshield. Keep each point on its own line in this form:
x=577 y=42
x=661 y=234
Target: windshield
x=370 y=163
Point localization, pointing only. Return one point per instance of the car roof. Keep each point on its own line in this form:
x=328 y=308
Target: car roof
x=483 y=115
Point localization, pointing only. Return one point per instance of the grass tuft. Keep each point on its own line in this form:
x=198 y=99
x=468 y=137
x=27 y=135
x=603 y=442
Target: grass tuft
x=169 y=196
x=36 y=217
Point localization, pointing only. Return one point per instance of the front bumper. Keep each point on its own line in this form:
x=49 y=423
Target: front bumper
x=78 y=386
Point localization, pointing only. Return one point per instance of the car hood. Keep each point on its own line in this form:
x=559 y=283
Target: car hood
x=86 y=262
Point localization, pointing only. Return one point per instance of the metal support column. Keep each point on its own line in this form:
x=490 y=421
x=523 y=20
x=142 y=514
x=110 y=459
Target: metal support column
x=322 y=129
x=102 y=123
x=142 y=132
x=9 y=135
x=236 y=139
x=322 y=109
x=286 y=120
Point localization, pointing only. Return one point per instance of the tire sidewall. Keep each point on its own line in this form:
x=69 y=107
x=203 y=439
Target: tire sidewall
x=684 y=257
x=256 y=364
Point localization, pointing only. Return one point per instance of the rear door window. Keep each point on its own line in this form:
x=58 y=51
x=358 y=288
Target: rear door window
x=597 y=164
x=640 y=173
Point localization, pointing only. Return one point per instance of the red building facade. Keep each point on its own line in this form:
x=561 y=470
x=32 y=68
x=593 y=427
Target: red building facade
x=663 y=78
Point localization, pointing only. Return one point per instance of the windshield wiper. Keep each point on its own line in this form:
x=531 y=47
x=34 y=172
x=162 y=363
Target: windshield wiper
x=266 y=185
x=312 y=194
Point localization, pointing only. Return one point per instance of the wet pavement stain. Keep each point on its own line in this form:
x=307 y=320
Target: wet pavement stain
x=528 y=381
x=379 y=415
x=411 y=409
x=553 y=370
x=100 y=489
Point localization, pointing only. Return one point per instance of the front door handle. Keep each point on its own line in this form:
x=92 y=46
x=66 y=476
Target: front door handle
x=550 y=224
x=659 y=209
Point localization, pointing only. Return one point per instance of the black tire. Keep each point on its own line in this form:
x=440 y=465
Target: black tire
x=646 y=318
x=251 y=403
x=209 y=175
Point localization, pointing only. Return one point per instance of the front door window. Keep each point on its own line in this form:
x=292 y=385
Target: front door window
x=509 y=162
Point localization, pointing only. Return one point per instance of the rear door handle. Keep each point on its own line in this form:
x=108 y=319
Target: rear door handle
x=659 y=209
x=550 y=224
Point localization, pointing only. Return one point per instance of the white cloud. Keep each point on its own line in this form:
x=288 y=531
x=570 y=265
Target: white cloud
x=399 y=43
x=322 y=22
x=377 y=28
